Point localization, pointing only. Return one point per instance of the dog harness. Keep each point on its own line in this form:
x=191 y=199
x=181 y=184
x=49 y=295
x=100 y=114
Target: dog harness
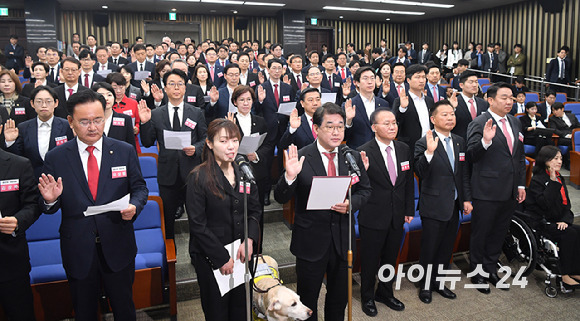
x=263 y=271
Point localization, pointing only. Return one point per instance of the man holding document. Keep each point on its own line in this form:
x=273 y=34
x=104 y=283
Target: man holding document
x=320 y=237
x=165 y=125
x=87 y=171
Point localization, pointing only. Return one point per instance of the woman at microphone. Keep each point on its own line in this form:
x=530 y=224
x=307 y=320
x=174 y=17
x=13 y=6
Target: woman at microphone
x=215 y=206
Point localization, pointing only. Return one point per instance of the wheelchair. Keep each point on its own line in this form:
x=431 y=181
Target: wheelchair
x=526 y=249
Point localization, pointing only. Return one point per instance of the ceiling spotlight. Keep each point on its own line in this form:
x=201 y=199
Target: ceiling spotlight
x=340 y=17
x=173 y=9
x=105 y=7
x=388 y=19
x=234 y=11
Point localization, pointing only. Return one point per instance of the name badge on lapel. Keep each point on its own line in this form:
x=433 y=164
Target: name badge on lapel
x=252 y=83
x=521 y=137
x=354 y=179
x=247 y=189
x=19 y=111
x=462 y=157
x=118 y=121
x=190 y=123
x=286 y=98
x=9 y=185
x=191 y=99
x=133 y=96
x=405 y=166
x=60 y=140
x=119 y=171
x=336 y=84
x=220 y=74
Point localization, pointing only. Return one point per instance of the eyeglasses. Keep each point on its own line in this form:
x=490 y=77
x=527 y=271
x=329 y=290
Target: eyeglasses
x=330 y=129
x=233 y=75
x=175 y=84
x=96 y=122
x=40 y=102
x=367 y=79
x=69 y=70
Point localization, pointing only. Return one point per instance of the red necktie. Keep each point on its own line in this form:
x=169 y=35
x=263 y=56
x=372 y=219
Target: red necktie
x=330 y=81
x=331 y=168
x=507 y=135
x=276 y=95
x=298 y=82
x=86 y=80
x=313 y=131
x=435 y=94
x=92 y=172
x=70 y=92
x=211 y=72
x=256 y=55
x=102 y=67
x=399 y=90
x=472 y=109
x=342 y=74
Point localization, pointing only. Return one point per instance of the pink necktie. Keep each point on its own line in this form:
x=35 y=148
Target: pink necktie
x=399 y=90
x=435 y=94
x=211 y=72
x=391 y=166
x=472 y=109
x=70 y=92
x=507 y=135
x=331 y=167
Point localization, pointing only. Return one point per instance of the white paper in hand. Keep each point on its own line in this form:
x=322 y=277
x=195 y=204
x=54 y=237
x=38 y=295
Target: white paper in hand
x=231 y=281
x=141 y=75
x=328 y=98
x=114 y=206
x=286 y=108
x=176 y=140
x=250 y=144
x=327 y=191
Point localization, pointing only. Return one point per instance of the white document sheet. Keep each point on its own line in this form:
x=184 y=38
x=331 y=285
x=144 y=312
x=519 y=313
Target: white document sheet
x=176 y=140
x=114 y=206
x=231 y=281
x=104 y=73
x=140 y=75
x=251 y=144
x=328 y=98
x=286 y=108
x=326 y=192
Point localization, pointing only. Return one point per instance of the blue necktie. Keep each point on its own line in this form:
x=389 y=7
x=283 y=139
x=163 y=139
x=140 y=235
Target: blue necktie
x=479 y=64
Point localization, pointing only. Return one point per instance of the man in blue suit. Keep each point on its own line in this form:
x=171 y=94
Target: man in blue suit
x=87 y=171
x=216 y=71
x=35 y=137
x=14 y=55
x=432 y=86
x=219 y=108
x=300 y=131
x=359 y=109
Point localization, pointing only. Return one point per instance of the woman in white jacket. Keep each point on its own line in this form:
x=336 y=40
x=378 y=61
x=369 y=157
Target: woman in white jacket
x=453 y=55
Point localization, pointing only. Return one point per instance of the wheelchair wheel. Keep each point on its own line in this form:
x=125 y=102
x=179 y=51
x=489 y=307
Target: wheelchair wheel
x=519 y=248
x=551 y=291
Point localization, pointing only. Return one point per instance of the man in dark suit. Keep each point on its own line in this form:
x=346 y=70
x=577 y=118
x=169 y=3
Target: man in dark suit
x=519 y=107
x=193 y=93
x=397 y=85
x=141 y=64
x=400 y=58
x=174 y=165
x=103 y=65
x=87 y=171
x=411 y=53
x=425 y=55
x=14 y=55
x=53 y=61
x=320 y=237
x=490 y=59
x=434 y=90
x=359 y=109
x=564 y=124
x=495 y=150
x=116 y=57
x=444 y=192
x=219 y=108
x=70 y=71
x=377 y=60
x=88 y=75
x=412 y=111
x=216 y=71
x=300 y=131
x=389 y=166
x=40 y=74
x=247 y=77
x=294 y=74
x=545 y=107
x=342 y=68
x=35 y=137
x=18 y=210
x=462 y=66
x=467 y=104
x=330 y=79
x=559 y=70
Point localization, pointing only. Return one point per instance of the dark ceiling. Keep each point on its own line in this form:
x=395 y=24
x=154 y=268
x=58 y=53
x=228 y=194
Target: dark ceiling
x=313 y=8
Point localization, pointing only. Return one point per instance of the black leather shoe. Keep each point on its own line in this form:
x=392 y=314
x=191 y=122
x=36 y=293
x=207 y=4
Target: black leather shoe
x=391 y=302
x=369 y=308
x=482 y=282
x=446 y=293
x=425 y=296
x=267 y=199
x=179 y=212
x=494 y=279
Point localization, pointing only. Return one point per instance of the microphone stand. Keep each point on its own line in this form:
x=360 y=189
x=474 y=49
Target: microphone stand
x=349 y=254
x=246 y=262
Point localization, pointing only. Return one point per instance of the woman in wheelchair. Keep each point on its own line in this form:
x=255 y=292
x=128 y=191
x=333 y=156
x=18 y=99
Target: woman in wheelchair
x=548 y=200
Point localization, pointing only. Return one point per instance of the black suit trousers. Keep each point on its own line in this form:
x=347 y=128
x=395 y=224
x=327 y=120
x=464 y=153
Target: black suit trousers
x=230 y=307
x=16 y=299
x=437 y=241
x=490 y=222
x=569 y=247
x=118 y=287
x=377 y=248
x=172 y=196
x=310 y=276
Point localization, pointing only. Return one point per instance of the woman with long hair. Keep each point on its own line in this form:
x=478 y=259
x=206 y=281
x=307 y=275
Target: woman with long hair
x=215 y=207
x=201 y=78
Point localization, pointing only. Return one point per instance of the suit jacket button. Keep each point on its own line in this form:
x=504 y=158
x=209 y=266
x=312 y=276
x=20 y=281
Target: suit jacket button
x=236 y=201
x=237 y=223
x=235 y=211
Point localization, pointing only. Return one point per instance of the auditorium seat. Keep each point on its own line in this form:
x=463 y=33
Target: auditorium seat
x=147 y=150
x=44 y=248
x=561 y=97
x=485 y=87
x=148 y=162
x=483 y=81
x=573 y=107
x=532 y=97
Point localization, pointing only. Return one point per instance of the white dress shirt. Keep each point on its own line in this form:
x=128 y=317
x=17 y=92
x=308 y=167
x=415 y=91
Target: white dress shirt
x=44 y=129
x=90 y=73
x=325 y=159
x=521 y=108
x=497 y=118
x=245 y=122
x=243 y=78
x=422 y=111
x=383 y=149
x=97 y=152
x=108 y=124
x=66 y=90
x=171 y=111
x=369 y=105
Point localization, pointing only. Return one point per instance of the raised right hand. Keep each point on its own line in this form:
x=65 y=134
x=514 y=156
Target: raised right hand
x=157 y=93
x=261 y=94
x=214 y=94
x=292 y=164
x=144 y=112
x=489 y=131
x=10 y=131
x=431 y=143
x=350 y=111
x=403 y=99
x=365 y=159
x=145 y=86
x=295 y=120
x=49 y=188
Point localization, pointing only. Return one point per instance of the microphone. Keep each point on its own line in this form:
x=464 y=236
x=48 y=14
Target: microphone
x=347 y=152
x=245 y=168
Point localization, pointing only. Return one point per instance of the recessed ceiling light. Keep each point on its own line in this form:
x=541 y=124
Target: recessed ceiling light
x=212 y=11
x=411 y=3
x=105 y=7
x=234 y=11
x=173 y=9
x=413 y=13
x=388 y=19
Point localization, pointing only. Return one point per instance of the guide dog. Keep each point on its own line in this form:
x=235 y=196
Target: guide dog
x=271 y=300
